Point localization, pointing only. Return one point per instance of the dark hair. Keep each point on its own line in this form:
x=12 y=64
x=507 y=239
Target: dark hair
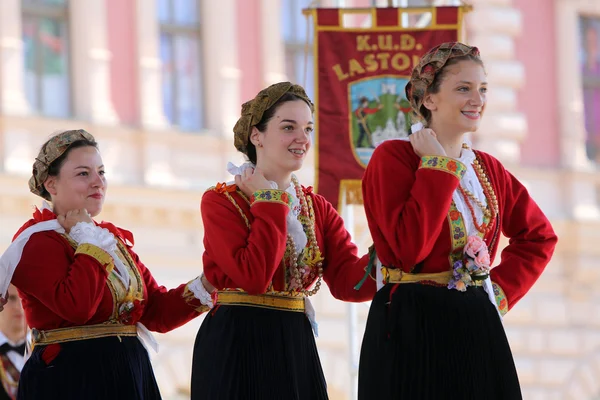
x=267 y=116
x=56 y=165
x=439 y=77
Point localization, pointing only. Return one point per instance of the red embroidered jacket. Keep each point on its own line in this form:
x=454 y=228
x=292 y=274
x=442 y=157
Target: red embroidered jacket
x=63 y=285
x=407 y=203
x=250 y=259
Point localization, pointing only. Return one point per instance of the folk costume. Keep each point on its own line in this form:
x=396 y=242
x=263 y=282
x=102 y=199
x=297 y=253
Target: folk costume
x=11 y=364
x=434 y=329
x=263 y=254
x=87 y=297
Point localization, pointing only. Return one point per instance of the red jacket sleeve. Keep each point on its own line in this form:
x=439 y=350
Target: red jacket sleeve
x=69 y=285
x=166 y=309
x=343 y=269
x=248 y=257
x=407 y=201
x=531 y=242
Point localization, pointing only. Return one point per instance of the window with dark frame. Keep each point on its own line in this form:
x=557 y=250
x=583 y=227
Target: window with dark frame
x=298 y=61
x=181 y=56
x=590 y=80
x=45 y=33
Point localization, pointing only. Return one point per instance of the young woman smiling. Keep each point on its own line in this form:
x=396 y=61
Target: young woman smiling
x=86 y=294
x=436 y=208
x=268 y=240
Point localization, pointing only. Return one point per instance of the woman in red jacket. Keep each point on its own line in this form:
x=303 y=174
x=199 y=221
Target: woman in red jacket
x=268 y=240
x=436 y=209
x=85 y=292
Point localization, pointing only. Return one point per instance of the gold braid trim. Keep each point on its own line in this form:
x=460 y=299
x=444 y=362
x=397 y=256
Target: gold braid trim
x=96 y=252
x=237 y=206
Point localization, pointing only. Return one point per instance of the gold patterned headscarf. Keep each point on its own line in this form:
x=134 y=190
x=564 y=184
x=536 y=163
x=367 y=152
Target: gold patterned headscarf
x=429 y=66
x=50 y=151
x=253 y=110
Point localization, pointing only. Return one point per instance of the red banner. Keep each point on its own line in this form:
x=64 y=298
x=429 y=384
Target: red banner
x=360 y=78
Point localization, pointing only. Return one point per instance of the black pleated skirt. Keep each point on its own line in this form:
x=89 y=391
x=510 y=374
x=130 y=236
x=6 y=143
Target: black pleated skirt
x=251 y=353
x=426 y=342
x=94 y=369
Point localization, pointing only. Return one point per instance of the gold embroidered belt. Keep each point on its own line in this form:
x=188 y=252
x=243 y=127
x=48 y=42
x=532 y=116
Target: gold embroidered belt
x=274 y=302
x=395 y=275
x=83 y=332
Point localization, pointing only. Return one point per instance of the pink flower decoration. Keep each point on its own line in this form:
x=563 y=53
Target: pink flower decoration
x=474 y=245
x=483 y=260
x=471 y=266
x=461 y=286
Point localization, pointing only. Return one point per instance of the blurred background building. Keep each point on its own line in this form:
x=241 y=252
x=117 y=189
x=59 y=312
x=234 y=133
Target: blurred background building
x=160 y=84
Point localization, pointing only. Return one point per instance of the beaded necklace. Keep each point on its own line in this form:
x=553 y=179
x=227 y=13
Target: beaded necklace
x=303 y=269
x=490 y=196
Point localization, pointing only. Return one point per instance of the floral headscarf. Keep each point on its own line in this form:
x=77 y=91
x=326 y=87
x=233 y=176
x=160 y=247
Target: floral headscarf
x=429 y=66
x=54 y=148
x=253 y=110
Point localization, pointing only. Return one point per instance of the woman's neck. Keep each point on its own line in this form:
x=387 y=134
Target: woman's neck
x=451 y=141
x=57 y=210
x=282 y=179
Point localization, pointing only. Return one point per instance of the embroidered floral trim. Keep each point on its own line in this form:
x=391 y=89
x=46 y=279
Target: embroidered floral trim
x=99 y=254
x=500 y=299
x=474 y=266
x=271 y=195
x=196 y=290
x=457 y=228
x=445 y=164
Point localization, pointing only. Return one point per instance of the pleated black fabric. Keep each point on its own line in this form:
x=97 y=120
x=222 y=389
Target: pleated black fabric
x=251 y=353
x=95 y=369
x=431 y=343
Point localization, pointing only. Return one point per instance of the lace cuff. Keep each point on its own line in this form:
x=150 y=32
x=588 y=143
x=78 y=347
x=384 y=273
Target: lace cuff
x=86 y=232
x=200 y=292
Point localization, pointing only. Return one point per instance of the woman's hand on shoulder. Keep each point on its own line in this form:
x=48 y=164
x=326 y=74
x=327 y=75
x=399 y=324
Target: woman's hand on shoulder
x=73 y=217
x=251 y=181
x=425 y=143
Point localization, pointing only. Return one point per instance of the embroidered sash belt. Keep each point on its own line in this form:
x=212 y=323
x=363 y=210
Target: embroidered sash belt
x=395 y=275
x=83 y=332
x=274 y=302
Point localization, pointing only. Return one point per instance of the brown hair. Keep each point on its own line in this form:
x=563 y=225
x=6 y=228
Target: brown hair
x=250 y=150
x=439 y=78
x=52 y=156
x=427 y=76
x=258 y=111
